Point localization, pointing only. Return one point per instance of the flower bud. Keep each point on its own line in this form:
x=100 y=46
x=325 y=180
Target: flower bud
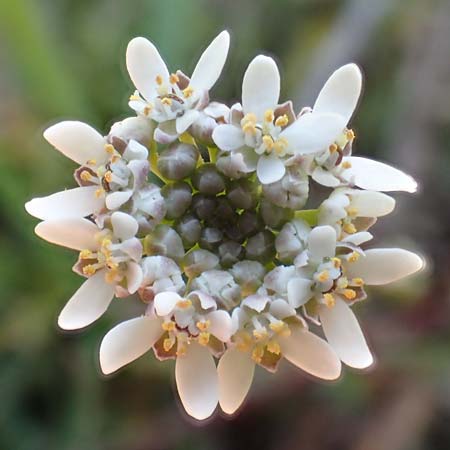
x=230 y=253
x=203 y=128
x=178 y=198
x=189 y=229
x=249 y=275
x=178 y=161
x=208 y=180
x=292 y=239
x=260 y=247
x=199 y=261
x=210 y=238
x=137 y=128
x=203 y=206
x=164 y=241
x=242 y=194
x=274 y=216
x=249 y=223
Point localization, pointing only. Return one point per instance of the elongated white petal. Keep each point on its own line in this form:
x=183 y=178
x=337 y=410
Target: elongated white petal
x=87 y=304
x=341 y=92
x=344 y=334
x=371 y=203
x=144 y=64
x=186 y=120
x=197 y=383
x=376 y=176
x=322 y=242
x=220 y=325
x=78 y=202
x=325 y=177
x=313 y=132
x=210 y=64
x=261 y=86
x=228 y=137
x=358 y=238
x=165 y=302
x=78 y=141
x=124 y=226
x=116 y=199
x=270 y=169
x=75 y=233
x=235 y=371
x=384 y=265
x=299 y=291
x=311 y=354
x=134 y=276
x=128 y=341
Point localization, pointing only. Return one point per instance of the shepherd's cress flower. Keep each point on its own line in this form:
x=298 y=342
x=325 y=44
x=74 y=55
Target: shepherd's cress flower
x=195 y=211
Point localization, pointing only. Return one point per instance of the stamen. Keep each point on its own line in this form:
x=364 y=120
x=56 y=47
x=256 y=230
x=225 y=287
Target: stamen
x=258 y=353
x=134 y=97
x=280 y=328
x=203 y=338
x=353 y=257
x=260 y=334
x=323 y=276
x=349 y=228
x=168 y=326
x=268 y=116
x=168 y=343
x=329 y=300
x=188 y=92
x=336 y=262
x=85 y=175
x=184 y=304
x=350 y=135
x=282 y=121
x=108 y=176
x=147 y=110
x=352 y=212
x=166 y=101
x=91 y=162
x=346 y=165
x=274 y=347
x=86 y=254
x=88 y=270
x=357 y=282
x=249 y=127
x=333 y=148
x=268 y=142
x=243 y=341
x=203 y=325
x=159 y=80
x=174 y=78
x=349 y=294
x=342 y=283
x=109 y=149
x=280 y=145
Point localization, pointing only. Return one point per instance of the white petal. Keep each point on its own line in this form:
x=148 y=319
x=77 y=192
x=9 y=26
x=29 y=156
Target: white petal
x=325 y=177
x=235 y=371
x=124 y=226
x=197 y=383
x=299 y=291
x=134 y=276
x=313 y=132
x=75 y=233
x=270 y=169
x=87 y=304
x=281 y=309
x=256 y=302
x=165 y=302
x=358 y=238
x=344 y=334
x=371 y=203
x=228 y=137
x=144 y=64
x=78 y=141
x=384 y=265
x=128 y=341
x=206 y=301
x=311 y=354
x=220 y=325
x=210 y=64
x=186 y=120
x=341 y=92
x=78 y=202
x=261 y=86
x=322 y=242
x=376 y=176
x=116 y=199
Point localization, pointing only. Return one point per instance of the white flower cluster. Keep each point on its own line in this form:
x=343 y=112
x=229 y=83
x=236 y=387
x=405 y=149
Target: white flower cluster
x=198 y=209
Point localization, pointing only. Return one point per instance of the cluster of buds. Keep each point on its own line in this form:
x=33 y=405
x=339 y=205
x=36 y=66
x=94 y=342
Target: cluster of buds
x=196 y=210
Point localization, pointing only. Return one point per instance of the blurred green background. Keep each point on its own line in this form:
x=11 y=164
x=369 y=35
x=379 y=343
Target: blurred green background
x=66 y=59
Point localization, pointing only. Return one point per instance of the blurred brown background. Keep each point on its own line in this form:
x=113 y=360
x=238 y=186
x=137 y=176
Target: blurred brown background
x=66 y=59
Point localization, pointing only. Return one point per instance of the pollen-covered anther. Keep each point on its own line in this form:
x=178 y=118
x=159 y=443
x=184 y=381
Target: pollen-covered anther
x=86 y=254
x=357 y=282
x=268 y=142
x=280 y=145
x=282 y=121
x=147 y=110
x=182 y=348
x=109 y=149
x=184 y=304
x=323 y=276
x=203 y=338
x=269 y=116
x=273 y=347
x=243 y=341
x=353 y=212
x=134 y=97
x=329 y=300
x=168 y=343
x=349 y=294
x=89 y=270
x=168 y=325
x=108 y=176
x=336 y=262
x=166 y=101
x=188 y=92
x=111 y=264
x=203 y=325
x=258 y=353
x=174 y=78
x=342 y=283
x=354 y=256
x=346 y=165
x=112 y=276
x=260 y=334
x=85 y=175
x=280 y=328
x=159 y=80
x=333 y=148
x=91 y=162
x=349 y=228
x=350 y=135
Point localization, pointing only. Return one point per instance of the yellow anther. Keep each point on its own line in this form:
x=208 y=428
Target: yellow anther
x=91 y=162
x=268 y=142
x=168 y=343
x=85 y=254
x=109 y=149
x=108 y=176
x=350 y=135
x=112 y=265
x=260 y=334
x=188 y=91
x=174 y=78
x=159 y=80
x=106 y=242
x=342 y=283
x=168 y=326
x=112 y=276
x=352 y=211
x=250 y=117
x=280 y=328
x=282 y=121
x=258 y=353
x=184 y=304
x=203 y=325
x=349 y=294
x=99 y=192
x=115 y=158
x=147 y=110
x=134 y=97
x=274 y=347
x=323 y=276
x=329 y=300
x=268 y=116
x=85 y=175
x=336 y=262
x=333 y=148
x=357 y=282
x=249 y=127
x=166 y=101
x=349 y=228
x=203 y=338
x=280 y=145
x=182 y=349
x=89 y=270
x=346 y=165
x=243 y=341
x=353 y=257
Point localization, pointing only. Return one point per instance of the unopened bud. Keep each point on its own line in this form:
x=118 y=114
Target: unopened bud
x=199 y=261
x=249 y=274
x=189 y=229
x=203 y=206
x=178 y=198
x=261 y=247
x=178 y=161
x=230 y=253
x=137 y=128
x=292 y=240
x=203 y=128
x=164 y=241
x=242 y=194
x=274 y=216
x=210 y=238
x=208 y=180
